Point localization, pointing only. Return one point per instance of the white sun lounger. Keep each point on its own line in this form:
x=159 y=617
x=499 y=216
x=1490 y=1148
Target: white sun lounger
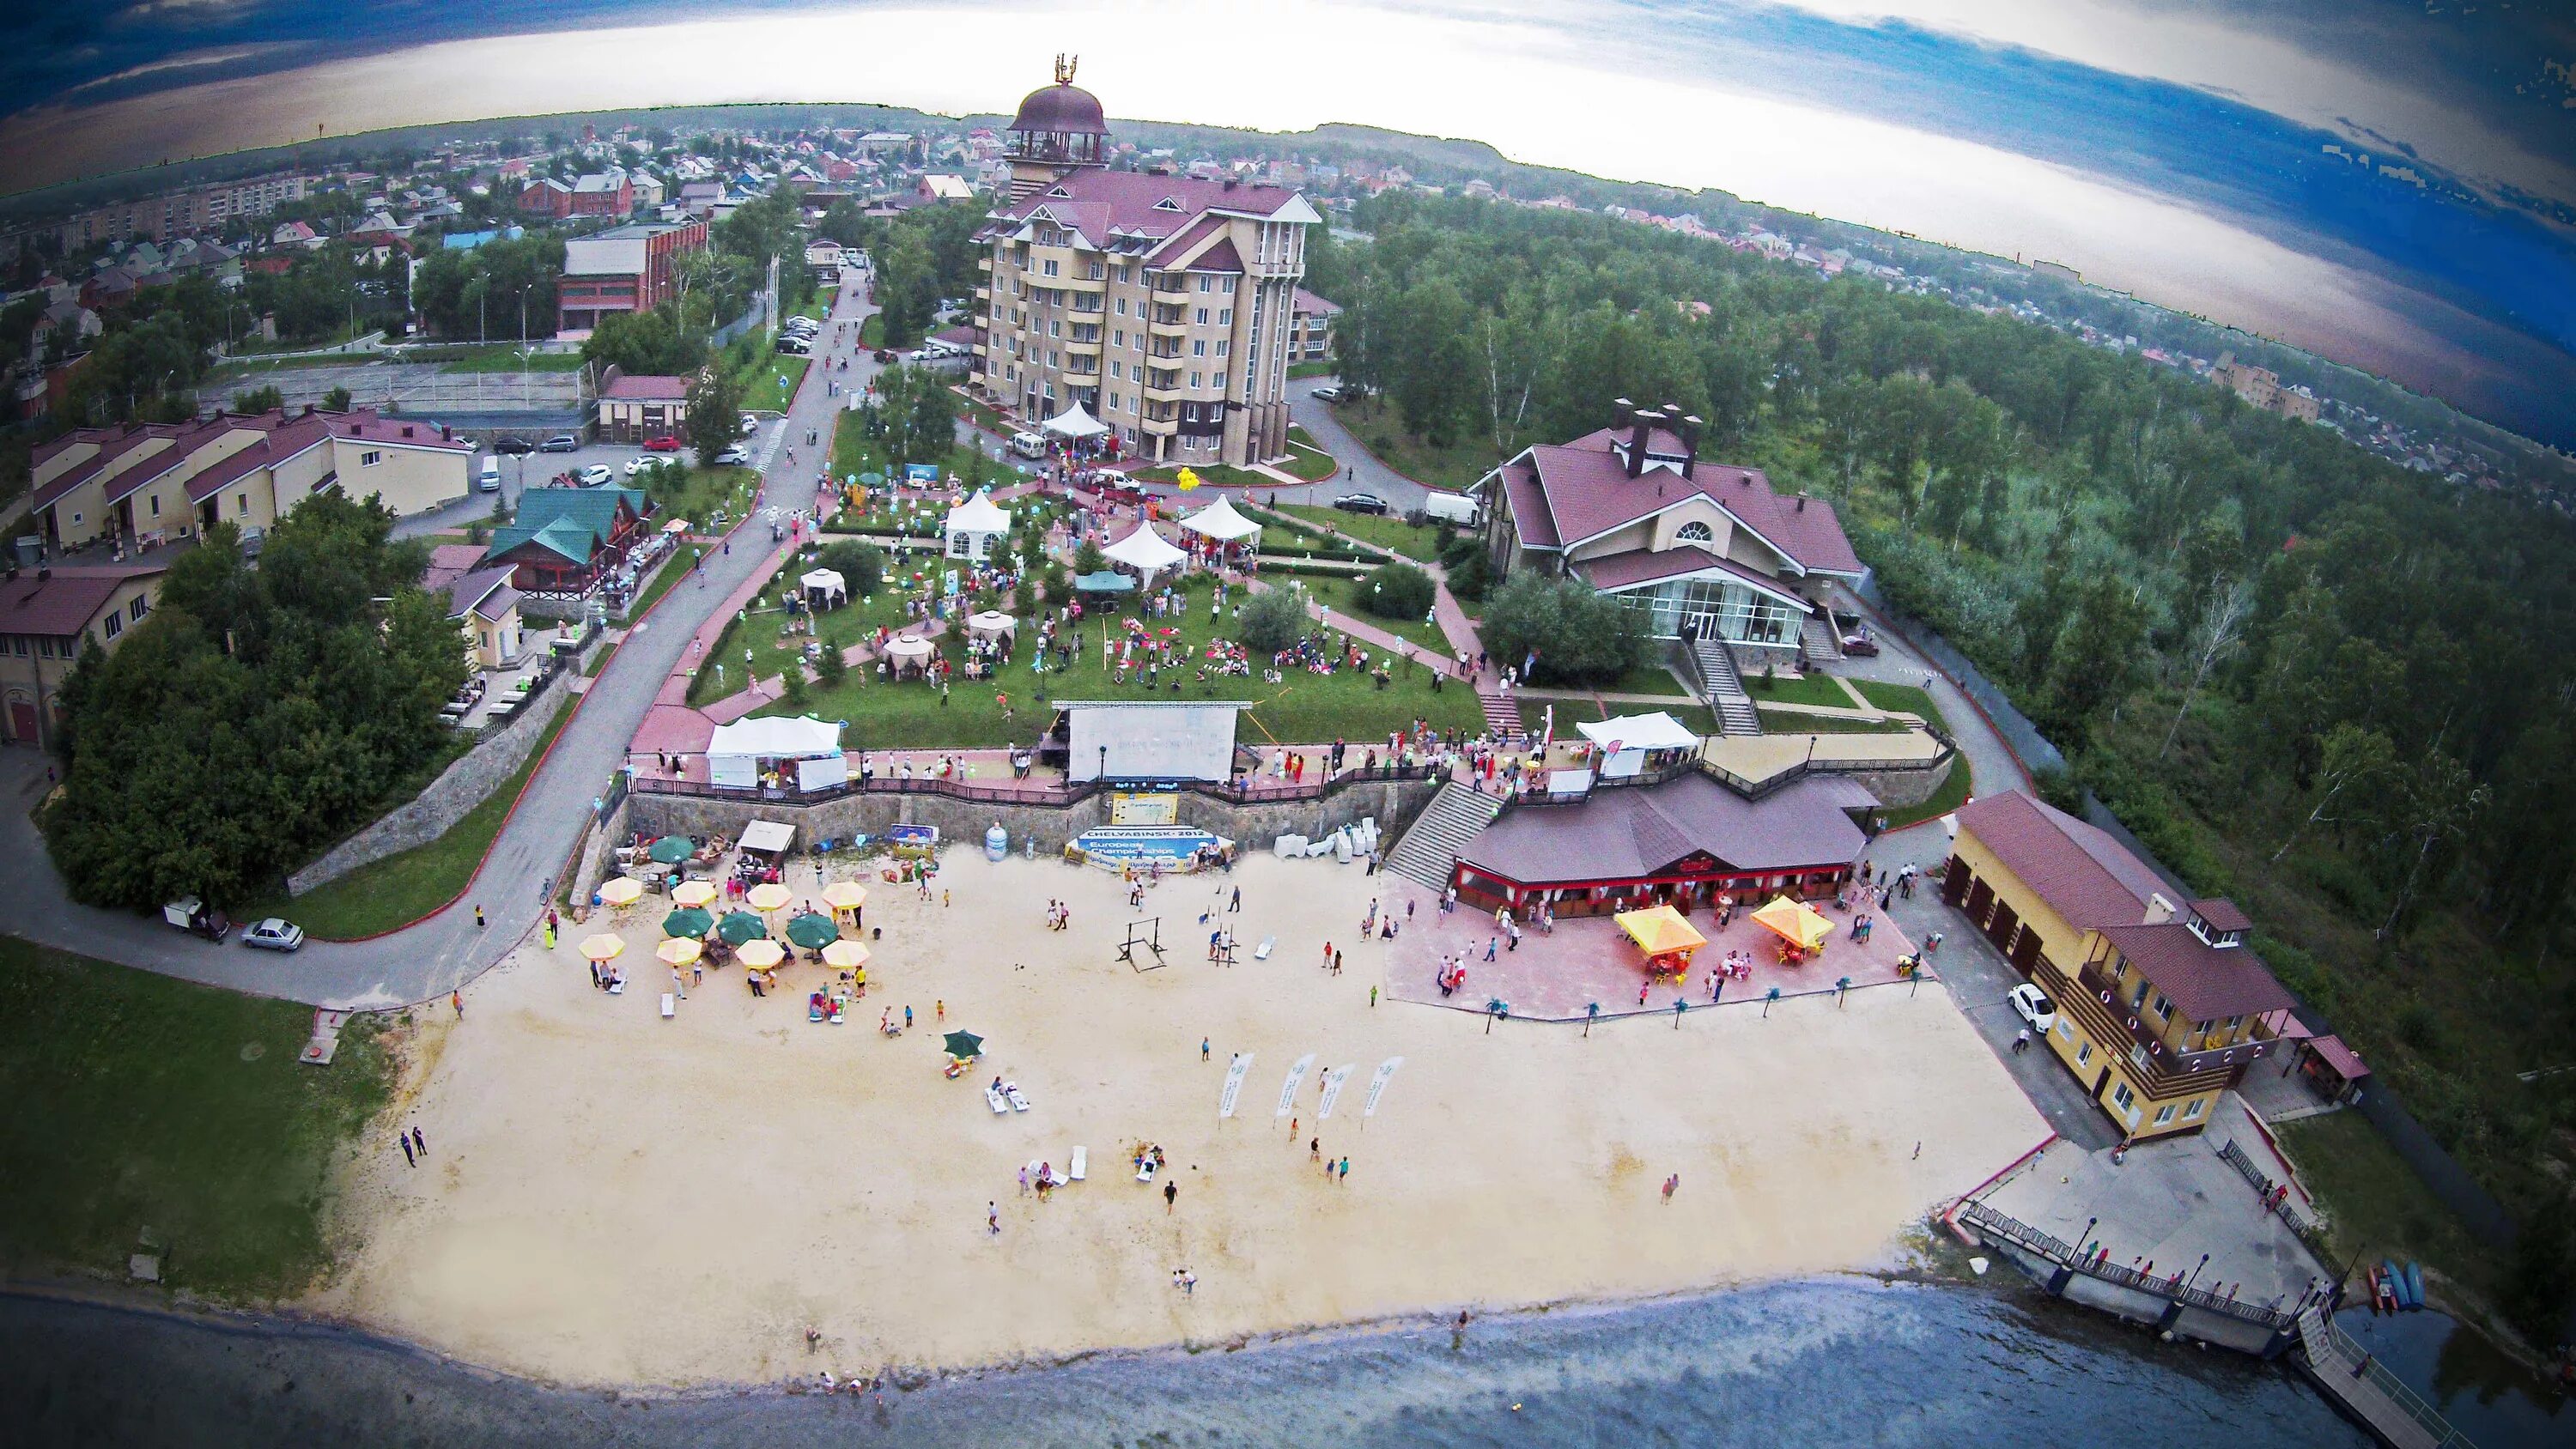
x=1146 y=1172
x=993 y=1096
x=669 y=1009
x=1081 y=1167
x=1262 y=951
x=1011 y=1093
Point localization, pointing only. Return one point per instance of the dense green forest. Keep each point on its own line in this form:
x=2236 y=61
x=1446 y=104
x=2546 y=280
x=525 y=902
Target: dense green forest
x=2332 y=689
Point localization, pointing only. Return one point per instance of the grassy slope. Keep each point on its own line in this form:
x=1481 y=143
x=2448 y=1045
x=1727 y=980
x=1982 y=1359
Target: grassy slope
x=137 y=1101
x=1419 y=543
x=1796 y=689
x=2376 y=1205
x=1457 y=464
x=400 y=889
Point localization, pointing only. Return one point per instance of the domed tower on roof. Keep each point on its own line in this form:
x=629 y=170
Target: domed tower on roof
x=1059 y=128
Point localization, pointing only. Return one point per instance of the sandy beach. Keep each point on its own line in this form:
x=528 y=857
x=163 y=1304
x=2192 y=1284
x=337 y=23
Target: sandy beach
x=612 y=1198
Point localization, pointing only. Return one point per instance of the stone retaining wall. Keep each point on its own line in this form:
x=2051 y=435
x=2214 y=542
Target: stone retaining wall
x=449 y=798
x=1898 y=789
x=1393 y=802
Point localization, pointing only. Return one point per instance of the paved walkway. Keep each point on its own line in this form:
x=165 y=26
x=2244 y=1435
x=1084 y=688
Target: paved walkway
x=426 y=961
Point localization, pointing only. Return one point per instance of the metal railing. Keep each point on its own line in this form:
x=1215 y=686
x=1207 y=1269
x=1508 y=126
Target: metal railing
x=2311 y=1233
x=2330 y=1348
x=2055 y=1250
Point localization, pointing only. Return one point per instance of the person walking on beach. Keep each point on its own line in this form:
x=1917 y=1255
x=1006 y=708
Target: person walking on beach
x=1346 y=1169
x=1203 y=1048
x=993 y=1217
x=907 y=1018
x=1672 y=1184
x=942 y=1005
x=405 y=1143
x=1372 y=998
x=1236 y=902
x=1314 y=1149
x=1171 y=1193
x=419 y=1143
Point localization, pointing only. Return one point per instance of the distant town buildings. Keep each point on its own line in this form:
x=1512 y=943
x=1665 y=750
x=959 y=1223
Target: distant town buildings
x=1160 y=305
x=631 y=268
x=1310 y=328
x=210 y=208
x=2262 y=387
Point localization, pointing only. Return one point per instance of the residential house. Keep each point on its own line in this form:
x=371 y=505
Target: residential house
x=2160 y=1005
x=563 y=541
x=546 y=196
x=603 y=194
x=1702 y=551
x=1157 y=304
x=486 y=610
x=46 y=616
x=700 y=198
x=1310 y=328
x=634 y=408
x=137 y=485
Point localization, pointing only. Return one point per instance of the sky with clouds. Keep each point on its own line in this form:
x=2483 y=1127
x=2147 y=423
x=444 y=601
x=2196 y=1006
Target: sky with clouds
x=2171 y=146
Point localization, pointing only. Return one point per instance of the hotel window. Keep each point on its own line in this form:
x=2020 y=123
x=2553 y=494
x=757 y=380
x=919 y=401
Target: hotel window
x=1122 y=311
x=1194 y=379
x=370 y=459
x=2194 y=1108
x=1695 y=533
x=1198 y=347
x=156 y=505
x=140 y=607
x=1220 y=347
x=45 y=645
x=2164 y=1116
x=2123 y=1097
x=115 y=624
x=1094 y=273
x=1205 y=283
x=2164 y=1005
x=1225 y=316
x=241 y=501
x=1049 y=269
x=1203 y=316
x=1118 y=336
x=20 y=642
x=2084 y=1057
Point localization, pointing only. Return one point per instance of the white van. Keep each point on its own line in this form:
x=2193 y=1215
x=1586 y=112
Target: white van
x=1028 y=445
x=489 y=480
x=1457 y=508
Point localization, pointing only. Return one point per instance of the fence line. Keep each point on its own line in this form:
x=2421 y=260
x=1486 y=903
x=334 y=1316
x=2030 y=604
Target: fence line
x=2072 y=1259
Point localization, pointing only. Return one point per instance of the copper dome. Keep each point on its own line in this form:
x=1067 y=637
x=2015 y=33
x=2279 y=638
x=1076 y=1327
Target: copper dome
x=1063 y=109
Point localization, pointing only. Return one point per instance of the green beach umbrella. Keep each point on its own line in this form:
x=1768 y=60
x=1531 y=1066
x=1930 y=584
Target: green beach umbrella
x=689 y=921
x=812 y=931
x=672 y=849
x=963 y=1045
x=740 y=926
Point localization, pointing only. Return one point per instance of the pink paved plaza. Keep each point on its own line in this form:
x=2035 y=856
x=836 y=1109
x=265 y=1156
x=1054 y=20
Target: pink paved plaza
x=1587 y=960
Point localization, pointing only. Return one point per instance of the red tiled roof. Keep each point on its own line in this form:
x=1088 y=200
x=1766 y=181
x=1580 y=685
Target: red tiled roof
x=2077 y=870
x=1308 y=302
x=1529 y=506
x=277 y=447
x=645 y=386
x=1219 y=258
x=1644 y=566
x=2342 y=1060
x=2205 y=982
x=64 y=603
x=1129 y=200
x=112 y=445
x=2223 y=914
x=1585 y=491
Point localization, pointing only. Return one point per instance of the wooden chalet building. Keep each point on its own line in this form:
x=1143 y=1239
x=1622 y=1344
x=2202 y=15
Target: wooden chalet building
x=565 y=540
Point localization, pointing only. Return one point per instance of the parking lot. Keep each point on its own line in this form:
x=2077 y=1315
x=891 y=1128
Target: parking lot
x=537 y=470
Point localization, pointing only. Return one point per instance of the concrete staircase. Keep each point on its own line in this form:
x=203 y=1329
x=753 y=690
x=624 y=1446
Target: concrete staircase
x=1820 y=640
x=1431 y=844
x=1502 y=716
x=1723 y=688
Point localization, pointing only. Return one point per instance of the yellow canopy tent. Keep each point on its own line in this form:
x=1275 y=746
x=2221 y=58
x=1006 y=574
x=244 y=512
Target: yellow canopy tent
x=1664 y=936
x=1795 y=922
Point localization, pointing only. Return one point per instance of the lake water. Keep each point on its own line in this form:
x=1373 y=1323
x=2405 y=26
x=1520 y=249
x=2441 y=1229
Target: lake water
x=1836 y=1361
x=2497 y=1402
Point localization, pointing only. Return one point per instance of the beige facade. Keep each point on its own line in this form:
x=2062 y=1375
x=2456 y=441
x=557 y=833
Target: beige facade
x=44 y=625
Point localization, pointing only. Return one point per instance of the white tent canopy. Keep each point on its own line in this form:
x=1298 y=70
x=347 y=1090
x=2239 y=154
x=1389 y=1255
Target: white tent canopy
x=973 y=525
x=769 y=837
x=1657 y=731
x=1073 y=422
x=1219 y=521
x=735 y=751
x=828 y=583
x=1145 y=551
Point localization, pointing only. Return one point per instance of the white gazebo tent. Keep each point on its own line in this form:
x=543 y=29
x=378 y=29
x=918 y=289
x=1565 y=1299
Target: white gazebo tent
x=812 y=746
x=1625 y=742
x=834 y=590
x=1076 y=424
x=973 y=525
x=991 y=624
x=1145 y=551
x=1219 y=521
x=908 y=652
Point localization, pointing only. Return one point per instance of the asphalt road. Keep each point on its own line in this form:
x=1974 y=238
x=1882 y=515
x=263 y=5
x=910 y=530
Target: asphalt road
x=425 y=961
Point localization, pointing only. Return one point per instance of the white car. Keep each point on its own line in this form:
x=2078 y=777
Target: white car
x=594 y=475
x=732 y=458
x=1327 y=393
x=274 y=934
x=2032 y=1005
x=645 y=464
x=750 y=425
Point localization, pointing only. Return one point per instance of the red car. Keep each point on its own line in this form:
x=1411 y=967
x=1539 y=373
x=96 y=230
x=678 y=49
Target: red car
x=665 y=444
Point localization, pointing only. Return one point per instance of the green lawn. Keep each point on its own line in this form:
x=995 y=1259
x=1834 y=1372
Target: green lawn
x=770 y=384
x=1796 y=722
x=681 y=491
x=1305 y=708
x=1310 y=369
x=872 y=330
x=1697 y=718
x=1952 y=794
x=400 y=889
x=1455 y=465
x=1307 y=461
x=2376 y=1206
x=1902 y=698
x=1797 y=689
x=1421 y=543
x=1345 y=598
x=1646 y=679
x=1221 y=474
x=137 y=1102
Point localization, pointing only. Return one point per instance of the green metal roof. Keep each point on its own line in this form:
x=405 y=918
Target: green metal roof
x=572 y=522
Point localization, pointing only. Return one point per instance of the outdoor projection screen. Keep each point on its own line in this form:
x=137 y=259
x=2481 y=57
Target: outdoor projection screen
x=1150 y=741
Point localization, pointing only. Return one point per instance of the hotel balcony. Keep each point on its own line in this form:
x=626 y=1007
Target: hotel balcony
x=984 y=294
x=1168 y=322
x=1089 y=345
x=2165 y=1070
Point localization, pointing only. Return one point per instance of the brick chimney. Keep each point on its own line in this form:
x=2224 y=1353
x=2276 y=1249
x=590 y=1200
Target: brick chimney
x=2159 y=910
x=1640 y=428
x=1690 y=445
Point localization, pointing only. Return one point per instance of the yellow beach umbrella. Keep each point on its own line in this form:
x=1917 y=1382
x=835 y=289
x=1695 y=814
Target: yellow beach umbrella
x=603 y=947
x=767 y=897
x=622 y=891
x=1796 y=922
x=760 y=955
x=679 y=950
x=845 y=955
x=695 y=893
x=845 y=895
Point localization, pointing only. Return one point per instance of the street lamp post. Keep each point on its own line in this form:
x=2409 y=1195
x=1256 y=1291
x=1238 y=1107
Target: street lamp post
x=2195 y=1273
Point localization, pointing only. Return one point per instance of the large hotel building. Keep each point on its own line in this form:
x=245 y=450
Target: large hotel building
x=1162 y=305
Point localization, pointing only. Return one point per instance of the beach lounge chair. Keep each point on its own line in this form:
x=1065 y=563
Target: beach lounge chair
x=1011 y=1094
x=1145 y=1171
x=993 y=1098
x=669 y=1007
x=1081 y=1166
x=1262 y=951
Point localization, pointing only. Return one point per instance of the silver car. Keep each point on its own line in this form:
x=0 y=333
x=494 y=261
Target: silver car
x=274 y=934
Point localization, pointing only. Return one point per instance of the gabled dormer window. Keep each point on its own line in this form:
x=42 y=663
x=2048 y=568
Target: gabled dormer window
x=1168 y=203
